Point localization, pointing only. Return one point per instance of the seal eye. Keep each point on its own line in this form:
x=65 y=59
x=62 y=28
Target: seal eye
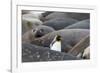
x=33 y=30
x=41 y=30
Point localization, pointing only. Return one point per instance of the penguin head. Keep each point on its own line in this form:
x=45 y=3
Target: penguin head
x=58 y=38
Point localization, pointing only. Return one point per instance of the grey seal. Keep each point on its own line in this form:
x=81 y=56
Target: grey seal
x=84 y=24
x=37 y=32
x=34 y=53
x=29 y=23
x=59 y=23
x=70 y=37
x=77 y=16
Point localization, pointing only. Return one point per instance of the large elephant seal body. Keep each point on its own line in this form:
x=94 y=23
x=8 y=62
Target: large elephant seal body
x=56 y=15
x=37 y=32
x=34 y=53
x=77 y=16
x=84 y=24
x=69 y=37
x=59 y=23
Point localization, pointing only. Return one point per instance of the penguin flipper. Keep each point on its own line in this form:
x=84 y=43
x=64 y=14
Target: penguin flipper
x=51 y=44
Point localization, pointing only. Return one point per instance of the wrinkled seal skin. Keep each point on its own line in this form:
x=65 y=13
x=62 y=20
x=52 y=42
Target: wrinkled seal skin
x=84 y=24
x=69 y=37
x=59 y=23
x=37 y=32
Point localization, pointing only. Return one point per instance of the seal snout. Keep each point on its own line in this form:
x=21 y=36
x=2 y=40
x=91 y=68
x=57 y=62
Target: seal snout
x=39 y=33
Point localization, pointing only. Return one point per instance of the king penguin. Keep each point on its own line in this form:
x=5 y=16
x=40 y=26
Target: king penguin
x=56 y=43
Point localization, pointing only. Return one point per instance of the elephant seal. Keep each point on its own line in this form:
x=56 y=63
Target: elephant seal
x=46 y=13
x=32 y=14
x=77 y=16
x=70 y=37
x=29 y=23
x=37 y=32
x=42 y=30
x=56 y=15
x=34 y=53
x=84 y=24
x=25 y=11
x=59 y=23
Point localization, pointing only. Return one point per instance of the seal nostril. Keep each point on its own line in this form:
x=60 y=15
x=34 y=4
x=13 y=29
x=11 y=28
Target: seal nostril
x=38 y=35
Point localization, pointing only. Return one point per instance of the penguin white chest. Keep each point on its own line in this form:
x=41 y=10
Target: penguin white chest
x=56 y=46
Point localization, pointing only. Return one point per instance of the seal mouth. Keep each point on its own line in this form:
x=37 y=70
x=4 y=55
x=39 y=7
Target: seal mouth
x=38 y=35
